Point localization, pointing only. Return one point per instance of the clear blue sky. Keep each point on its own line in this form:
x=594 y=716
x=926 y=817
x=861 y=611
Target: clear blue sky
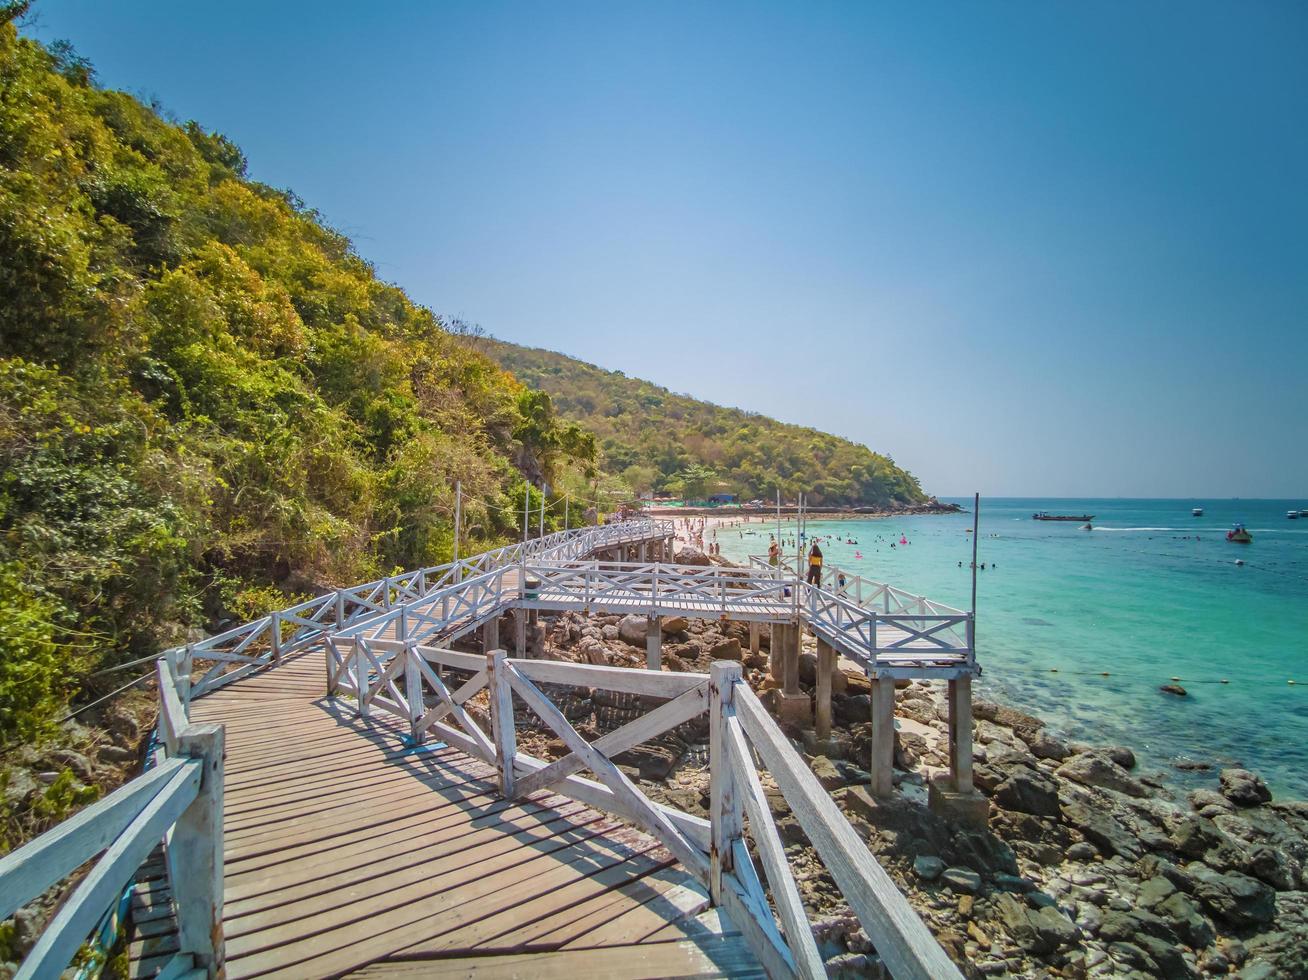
x=1027 y=248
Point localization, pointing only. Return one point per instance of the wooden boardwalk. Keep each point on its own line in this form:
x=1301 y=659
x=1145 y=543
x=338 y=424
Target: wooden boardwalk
x=348 y=853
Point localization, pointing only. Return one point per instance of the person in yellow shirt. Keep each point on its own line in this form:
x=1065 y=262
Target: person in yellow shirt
x=815 y=565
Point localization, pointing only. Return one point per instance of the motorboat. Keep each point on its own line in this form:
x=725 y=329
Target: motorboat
x=1292 y=515
x=1198 y=512
x=1043 y=516
x=1239 y=535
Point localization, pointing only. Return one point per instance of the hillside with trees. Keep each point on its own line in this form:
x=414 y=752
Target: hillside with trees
x=209 y=403
x=657 y=440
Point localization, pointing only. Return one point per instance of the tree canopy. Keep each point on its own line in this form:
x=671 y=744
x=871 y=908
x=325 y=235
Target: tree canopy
x=658 y=440
x=207 y=398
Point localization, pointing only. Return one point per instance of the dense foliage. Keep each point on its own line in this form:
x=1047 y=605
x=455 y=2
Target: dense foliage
x=208 y=400
x=658 y=440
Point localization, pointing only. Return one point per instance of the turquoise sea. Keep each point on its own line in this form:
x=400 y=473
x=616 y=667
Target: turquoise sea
x=1151 y=594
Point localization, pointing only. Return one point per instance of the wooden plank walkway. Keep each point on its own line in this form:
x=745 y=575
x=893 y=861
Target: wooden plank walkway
x=348 y=852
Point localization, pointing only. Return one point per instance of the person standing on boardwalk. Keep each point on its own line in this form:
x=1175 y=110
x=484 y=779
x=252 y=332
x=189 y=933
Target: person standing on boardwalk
x=774 y=553
x=815 y=565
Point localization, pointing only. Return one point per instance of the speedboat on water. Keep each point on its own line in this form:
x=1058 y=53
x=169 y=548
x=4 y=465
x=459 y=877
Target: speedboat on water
x=1239 y=535
x=1198 y=512
x=1292 y=515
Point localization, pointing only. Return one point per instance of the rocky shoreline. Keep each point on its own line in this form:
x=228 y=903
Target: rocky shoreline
x=1085 y=867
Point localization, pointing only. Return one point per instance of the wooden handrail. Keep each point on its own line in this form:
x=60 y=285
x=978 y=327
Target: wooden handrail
x=182 y=797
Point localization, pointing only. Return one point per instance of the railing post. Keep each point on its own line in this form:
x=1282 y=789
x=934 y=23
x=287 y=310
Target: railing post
x=725 y=809
x=276 y=628
x=502 y=726
x=195 y=855
x=361 y=675
x=413 y=692
x=182 y=676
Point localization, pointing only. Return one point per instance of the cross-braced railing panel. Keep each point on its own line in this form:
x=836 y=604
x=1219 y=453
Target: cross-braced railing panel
x=399 y=679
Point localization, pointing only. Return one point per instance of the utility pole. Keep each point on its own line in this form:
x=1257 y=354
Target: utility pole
x=976 y=524
x=542 y=512
x=458 y=521
x=565 y=511
x=526 y=511
x=778 y=530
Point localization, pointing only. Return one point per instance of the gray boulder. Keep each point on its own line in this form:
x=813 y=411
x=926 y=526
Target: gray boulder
x=1236 y=898
x=1046 y=746
x=928 y=867
x=1028 y=791
x=1097 y=769
x=1039 y=930
x=632 y=628
x=1102 y=830
x=688 y=555
x=1244 y=788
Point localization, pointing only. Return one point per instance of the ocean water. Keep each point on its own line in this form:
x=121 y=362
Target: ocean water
x=1151 y=594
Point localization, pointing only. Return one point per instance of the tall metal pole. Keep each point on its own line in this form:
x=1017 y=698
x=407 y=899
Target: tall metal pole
x=778 y=572
x=458 y=522
x=526 y=512
x=976 y=523
x=542 y=513
x=565 y=510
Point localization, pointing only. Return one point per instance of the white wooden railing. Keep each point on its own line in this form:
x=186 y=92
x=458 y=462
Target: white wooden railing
x=918 y=628
x=252 y=646
x=411 y=682
x=179 y=798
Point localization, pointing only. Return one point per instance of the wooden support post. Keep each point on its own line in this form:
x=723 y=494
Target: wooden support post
x=793 y=704
x=826 y=666
x=490 y=635
x=501 y=705
x=654 y=643
x=790 y=682
x=883 y=736
x=725 y=810
x=754 y=630
x=520 y=632
x=643 y=553
x=195 y=855
x=776 y=648
x=960 y=734
x=340 y=609
x=413 y=692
